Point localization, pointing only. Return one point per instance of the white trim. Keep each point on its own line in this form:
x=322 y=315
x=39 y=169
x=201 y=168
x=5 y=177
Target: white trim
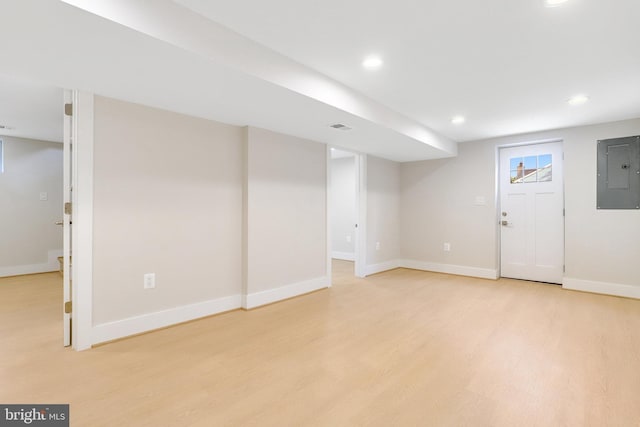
x=45 y=267
x=284 y=292
x=616 y=289
x=148 y=322
x=327 y=214
x=383 y=266
x=345 y=256
x=67 y=163
x=360 y=267
x=533 y=142
x=460 y=270
x=245 y=213
x=82 y=207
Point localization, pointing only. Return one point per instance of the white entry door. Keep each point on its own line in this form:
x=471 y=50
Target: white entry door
x=532 y=212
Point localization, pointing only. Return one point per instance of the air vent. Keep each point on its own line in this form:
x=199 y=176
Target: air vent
x=340 y=126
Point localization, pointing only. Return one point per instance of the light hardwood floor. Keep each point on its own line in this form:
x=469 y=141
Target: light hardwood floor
x=400 y=348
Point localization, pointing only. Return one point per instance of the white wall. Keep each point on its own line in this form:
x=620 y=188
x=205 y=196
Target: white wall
x=383 y=214
x=286 y=221
x=226 y=217
x=343 y=207
x=167 y=200
x=602 y=247
x=31 y=242
x=437 y=206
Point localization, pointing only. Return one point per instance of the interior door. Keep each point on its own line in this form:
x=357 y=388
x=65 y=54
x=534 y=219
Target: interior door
x=67 y=223
x=532 y=212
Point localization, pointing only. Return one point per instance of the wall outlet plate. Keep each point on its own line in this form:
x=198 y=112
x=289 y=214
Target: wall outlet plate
x=149 y=280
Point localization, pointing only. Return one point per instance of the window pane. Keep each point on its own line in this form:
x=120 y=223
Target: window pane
x=530 y=177
x=515 y=162
x=544 y=174
x=544 y=168
x=544 y=160
x=530 y=162
x=516 y=166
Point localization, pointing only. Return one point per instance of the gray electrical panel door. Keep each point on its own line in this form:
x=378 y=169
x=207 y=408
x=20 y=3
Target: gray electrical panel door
x=619 y=173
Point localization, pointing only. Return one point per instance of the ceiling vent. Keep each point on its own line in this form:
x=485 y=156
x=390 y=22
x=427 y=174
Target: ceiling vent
x=340 y=126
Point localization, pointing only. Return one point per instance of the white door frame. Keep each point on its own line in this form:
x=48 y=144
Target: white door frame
x=361 y=202
x=66 y=217
x=498 y=217
x=361 y=213
x=82 y=207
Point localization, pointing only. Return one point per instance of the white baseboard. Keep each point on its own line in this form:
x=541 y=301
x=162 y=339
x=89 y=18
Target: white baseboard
x=383 y=266
x=461 y=270
x=46 y=267
x=288 y=291
x=615 y=289
x=160 y=319
x=346 y=256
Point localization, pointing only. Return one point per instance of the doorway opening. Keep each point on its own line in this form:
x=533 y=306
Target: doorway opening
x=31 y=199
x=531 y=212
x=345 y=213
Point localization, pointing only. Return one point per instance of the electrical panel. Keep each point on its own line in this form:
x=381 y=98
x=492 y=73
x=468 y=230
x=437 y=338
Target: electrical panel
x=619 y=173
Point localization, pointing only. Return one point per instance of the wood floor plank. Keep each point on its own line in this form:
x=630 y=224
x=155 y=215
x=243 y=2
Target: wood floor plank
x=402 y=347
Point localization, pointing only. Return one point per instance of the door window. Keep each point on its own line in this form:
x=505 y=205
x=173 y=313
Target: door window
x=531 y=169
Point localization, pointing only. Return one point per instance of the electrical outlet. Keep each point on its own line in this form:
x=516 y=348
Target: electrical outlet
x=150 y=280
x=447 y=247
x=44 y=196
x=348 y=238
x=377 y=246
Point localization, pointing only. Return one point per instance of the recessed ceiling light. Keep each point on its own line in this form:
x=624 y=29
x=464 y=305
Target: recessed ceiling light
x=578 y=100
x=457 y=120
x=372 y=62
x=553 y=3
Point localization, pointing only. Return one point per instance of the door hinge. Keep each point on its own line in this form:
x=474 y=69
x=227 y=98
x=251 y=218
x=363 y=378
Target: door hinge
x=67 y=208
x=563 y=212
x=67 y=307
x=68 y=109
x=564 y=269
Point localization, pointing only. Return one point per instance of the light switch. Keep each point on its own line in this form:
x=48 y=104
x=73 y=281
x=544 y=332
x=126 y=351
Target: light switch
x=480 y=201
x=44 y=196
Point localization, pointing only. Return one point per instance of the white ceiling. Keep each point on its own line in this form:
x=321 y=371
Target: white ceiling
x=30 y=109
x=508 y=66
x=294 y=67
